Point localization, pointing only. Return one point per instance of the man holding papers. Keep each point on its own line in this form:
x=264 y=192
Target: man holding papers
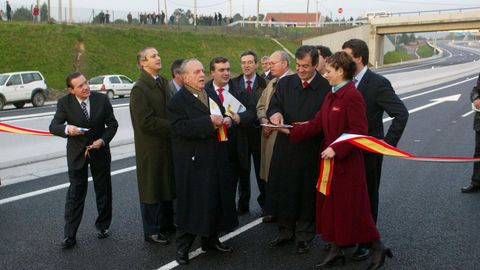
x=204 y=185
x=241 y=108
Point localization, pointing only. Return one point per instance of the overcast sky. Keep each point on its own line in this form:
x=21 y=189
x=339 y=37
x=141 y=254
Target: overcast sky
x=248 y=7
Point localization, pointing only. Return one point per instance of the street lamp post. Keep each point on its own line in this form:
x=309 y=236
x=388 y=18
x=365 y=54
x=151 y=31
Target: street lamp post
x=258 y=13
x=306 y=15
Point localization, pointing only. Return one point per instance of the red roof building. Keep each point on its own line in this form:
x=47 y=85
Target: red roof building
x=294 y=19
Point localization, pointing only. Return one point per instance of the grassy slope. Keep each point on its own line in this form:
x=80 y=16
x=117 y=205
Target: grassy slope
x=50 y=48
x=425 y=51
x=396 y=57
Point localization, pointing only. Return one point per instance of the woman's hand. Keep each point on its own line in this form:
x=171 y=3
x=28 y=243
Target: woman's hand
x=328 y=153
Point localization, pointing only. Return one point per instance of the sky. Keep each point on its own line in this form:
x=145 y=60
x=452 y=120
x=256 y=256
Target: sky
x=352 y=8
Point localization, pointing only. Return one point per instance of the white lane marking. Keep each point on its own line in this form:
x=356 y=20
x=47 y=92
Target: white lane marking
x=57 y=187
x=438 y=89
x=43 y=115
x=224 y=238
x=468 y=113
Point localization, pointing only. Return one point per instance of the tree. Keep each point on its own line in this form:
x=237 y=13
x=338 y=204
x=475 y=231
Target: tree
x=44 y=13
x=237 y=17
x=412 y=38
x=403 y=39
x=22 y=14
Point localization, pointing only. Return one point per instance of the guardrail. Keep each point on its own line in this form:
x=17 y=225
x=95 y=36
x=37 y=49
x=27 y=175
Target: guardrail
x=300 y=24
x=438 y=11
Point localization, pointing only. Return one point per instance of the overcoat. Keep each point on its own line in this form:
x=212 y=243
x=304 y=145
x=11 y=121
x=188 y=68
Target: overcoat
x=151 y=130
x=344 y=216
x=294 y=167
x=204 y=184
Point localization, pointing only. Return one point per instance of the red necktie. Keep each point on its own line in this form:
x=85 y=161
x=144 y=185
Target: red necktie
x=220 y=95
x=305 y=84
x=249 y=87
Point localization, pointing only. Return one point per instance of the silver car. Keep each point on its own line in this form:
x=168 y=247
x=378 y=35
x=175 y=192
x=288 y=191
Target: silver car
x=111 y=85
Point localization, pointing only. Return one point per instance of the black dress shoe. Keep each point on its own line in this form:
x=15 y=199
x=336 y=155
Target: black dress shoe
x=303 y=247
x=269 y=219
x=69 y=242
x=472 y=187
x=219 y=246
x=157 y=239
x=362 y=253
x=182 y=258
x=378 y=258
x=277 y=242
x=104 y=233
x=329 y=262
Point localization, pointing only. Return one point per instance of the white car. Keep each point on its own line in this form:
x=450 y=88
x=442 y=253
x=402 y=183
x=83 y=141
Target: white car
x=21 y=87
x=111 y=85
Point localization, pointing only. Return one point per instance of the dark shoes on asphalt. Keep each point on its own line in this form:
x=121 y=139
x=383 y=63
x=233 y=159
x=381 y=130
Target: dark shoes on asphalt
x=182 y=258
x=472 y=187
x=69 y=242
x=268 y=219
x=219 y=246
x=157 y=239
x=104 y=233
x=361 y=253
x=277 y=242
x=303 y=247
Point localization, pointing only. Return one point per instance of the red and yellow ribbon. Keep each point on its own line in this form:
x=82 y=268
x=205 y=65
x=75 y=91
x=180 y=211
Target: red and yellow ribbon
x=222 y=133
x=373 y=145
x=19 y=130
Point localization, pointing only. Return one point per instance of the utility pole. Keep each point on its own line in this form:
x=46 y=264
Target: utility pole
x=158 y=6
x=70 y=13
x=166 y=14
x=195 y=13
x=60 y=11
x=306 y=15
x=230 y=8
x=258 y=13
x=48 y=13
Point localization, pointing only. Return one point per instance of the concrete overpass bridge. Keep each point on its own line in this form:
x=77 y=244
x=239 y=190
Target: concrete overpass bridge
x=374 y=32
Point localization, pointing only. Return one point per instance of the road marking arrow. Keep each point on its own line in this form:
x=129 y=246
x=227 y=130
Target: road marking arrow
x=433 y=103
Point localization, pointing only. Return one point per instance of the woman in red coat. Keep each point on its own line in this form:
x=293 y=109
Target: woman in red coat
x=343 y=216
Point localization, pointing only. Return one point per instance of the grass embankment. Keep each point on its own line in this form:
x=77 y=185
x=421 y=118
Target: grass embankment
x=112 y=50
x=396 y=57
x=425 y=51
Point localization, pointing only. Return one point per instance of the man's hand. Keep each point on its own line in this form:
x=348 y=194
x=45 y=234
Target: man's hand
x=235 y=117
x=96 y=144
x=277 y=119
x=217 y=120
x=228 y=121
x=476 y=103
x=74 y=131
x=328 y=153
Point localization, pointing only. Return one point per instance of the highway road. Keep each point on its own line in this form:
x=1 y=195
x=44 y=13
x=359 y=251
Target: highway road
x=423 y=217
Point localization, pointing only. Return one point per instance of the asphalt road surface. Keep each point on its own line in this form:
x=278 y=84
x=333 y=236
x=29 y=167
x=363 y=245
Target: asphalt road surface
x=423 y=217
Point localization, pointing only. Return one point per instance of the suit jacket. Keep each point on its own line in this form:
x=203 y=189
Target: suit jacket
x=237 y=135
x=380 y=97
x=204 y=184
x=151 y=130
x=257 y=88
x=172 y=88
x=475 y=94
x=102 y=125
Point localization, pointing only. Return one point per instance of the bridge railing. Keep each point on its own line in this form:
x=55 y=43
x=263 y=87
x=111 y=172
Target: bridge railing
x=437 y=11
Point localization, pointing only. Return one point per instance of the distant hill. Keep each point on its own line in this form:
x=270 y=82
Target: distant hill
x=53 y=49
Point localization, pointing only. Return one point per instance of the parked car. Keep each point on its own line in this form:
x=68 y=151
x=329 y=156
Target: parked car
x=111 y=85
x=17 y=88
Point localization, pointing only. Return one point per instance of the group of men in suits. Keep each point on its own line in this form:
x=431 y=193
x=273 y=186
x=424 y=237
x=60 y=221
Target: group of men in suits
x=181 y=155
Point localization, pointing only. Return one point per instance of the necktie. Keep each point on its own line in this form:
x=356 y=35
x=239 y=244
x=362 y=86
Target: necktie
x=305 y=84
x=84 y=109
x=220 y=95
x=355 y=81
x=159 y=80
x=249 y=87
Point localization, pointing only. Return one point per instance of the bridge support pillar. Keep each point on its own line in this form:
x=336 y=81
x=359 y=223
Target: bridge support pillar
x=375 y=45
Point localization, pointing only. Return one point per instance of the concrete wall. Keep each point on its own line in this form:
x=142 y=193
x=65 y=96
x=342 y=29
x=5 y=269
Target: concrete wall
x=335 y=40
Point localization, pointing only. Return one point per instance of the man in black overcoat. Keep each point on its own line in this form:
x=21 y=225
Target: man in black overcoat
x=204 y=185
x=86 y=119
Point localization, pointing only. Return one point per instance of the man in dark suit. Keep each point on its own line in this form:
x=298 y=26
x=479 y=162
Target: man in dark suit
x=475 y=182
x=294 y=167
x=204 y=185
x=267 y=75
x=252 y=84
x=379 y=97
x=153 y=154
x=176 y=83
x=86 y=119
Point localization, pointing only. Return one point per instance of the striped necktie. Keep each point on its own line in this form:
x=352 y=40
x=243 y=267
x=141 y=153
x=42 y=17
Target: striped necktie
x=84 y=109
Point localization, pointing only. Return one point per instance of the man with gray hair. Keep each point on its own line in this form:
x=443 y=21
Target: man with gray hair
x=151 y=130
x=176 y=83
x=279 y=64
x=265 y=61
x=205 y=186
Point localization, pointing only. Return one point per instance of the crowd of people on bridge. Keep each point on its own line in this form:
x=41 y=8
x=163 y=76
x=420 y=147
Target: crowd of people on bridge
x=193 y=148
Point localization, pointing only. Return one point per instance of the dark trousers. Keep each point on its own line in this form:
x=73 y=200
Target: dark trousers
x=476 y=165
x=373 y=172
x=157 y=218
x=244 y=191
x=302 y=230
x=185 y=241
x=75 y=201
